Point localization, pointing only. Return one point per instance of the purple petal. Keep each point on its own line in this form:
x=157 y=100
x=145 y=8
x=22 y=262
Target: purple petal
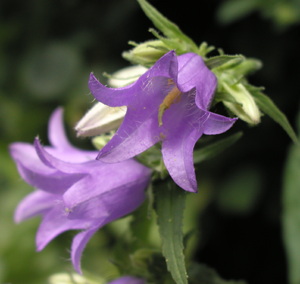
x=193 y=73
x=164 y=67
x=56 y=222
x=140 y=124
x=66 y=167
x=128 y=280
x=78 y=245
x=56 y=131
x=107 y=178
x=183 y=126
x=112 y=204
x=26 y=155
x=36 y=203
x=217 y=124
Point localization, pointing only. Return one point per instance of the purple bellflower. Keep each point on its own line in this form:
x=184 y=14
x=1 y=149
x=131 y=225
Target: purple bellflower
x=168 y=103
x=74 y=190
x=128 y=280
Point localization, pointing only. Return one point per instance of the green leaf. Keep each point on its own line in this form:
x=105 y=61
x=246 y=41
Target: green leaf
x=170 y=203
x=233 y=10
x=291 y=213
x=214 y=149
x=267 y=106
x=168 y=28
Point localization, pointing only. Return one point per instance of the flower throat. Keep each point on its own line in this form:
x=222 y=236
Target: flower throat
x=171 y=98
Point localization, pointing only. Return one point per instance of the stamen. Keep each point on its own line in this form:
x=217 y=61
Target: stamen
x=172 y=97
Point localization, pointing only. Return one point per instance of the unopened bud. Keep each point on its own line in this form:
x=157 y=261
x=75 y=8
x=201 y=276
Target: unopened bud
x=100 y=119
x=243 y=104
x=71 y=278
x=146 y=53
x=126 y=76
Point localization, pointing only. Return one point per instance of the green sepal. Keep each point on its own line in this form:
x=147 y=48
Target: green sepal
x=223 y=62
x=267 y=106
x=169 y=205
x=212 y=150
x=152 y=159
x=169 y=29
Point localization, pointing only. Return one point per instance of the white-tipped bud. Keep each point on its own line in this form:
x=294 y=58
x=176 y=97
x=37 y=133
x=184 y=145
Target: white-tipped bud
x=243 y=104
x=126 y=76
x=100 y=119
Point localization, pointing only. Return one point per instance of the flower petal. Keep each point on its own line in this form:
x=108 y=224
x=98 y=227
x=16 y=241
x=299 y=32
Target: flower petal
x=107 y=179
x=66 y=167
x=112 y=204
x=217 y=124
x=36 y=203
x=56 y=131
x=193 y=73
x=78 y=245
x=164 y=67
x=183 y=126
x=56 y=222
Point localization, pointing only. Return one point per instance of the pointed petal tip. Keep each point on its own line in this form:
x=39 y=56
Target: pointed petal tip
x=92 y=78
x=17 y=218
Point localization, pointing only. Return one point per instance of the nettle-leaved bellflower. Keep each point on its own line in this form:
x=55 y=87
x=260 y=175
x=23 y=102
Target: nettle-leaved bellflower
x=74 y=190
x=168 y=103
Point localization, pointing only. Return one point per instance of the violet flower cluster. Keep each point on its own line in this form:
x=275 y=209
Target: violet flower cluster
x=168 y=104
x=84 y=190
x=74 y=191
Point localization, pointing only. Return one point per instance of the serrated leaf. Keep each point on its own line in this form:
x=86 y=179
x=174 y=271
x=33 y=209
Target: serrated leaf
x=170 y=203
x=168 y=28
x=216 y=148
x=267 y=106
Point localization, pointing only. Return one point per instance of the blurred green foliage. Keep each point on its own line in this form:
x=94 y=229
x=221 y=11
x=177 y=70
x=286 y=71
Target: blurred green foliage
x=283 y=13
x=47 y=50
x=291 y=211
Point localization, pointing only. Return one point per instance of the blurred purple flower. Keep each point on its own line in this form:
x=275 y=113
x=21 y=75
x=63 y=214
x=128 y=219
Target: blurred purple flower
x=74 y=191
x=168 y=103
x=128 y=280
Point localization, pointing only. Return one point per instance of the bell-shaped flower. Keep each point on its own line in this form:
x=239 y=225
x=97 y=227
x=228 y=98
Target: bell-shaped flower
x=74 y=191
x=168 y=103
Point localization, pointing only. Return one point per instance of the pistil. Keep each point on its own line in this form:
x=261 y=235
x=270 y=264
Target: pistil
x=172 y=97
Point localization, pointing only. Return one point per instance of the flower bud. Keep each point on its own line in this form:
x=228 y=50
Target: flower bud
x=126 y=76
x=146 y=53
x=243 y=104
x=71 y=278
x=100 y=119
